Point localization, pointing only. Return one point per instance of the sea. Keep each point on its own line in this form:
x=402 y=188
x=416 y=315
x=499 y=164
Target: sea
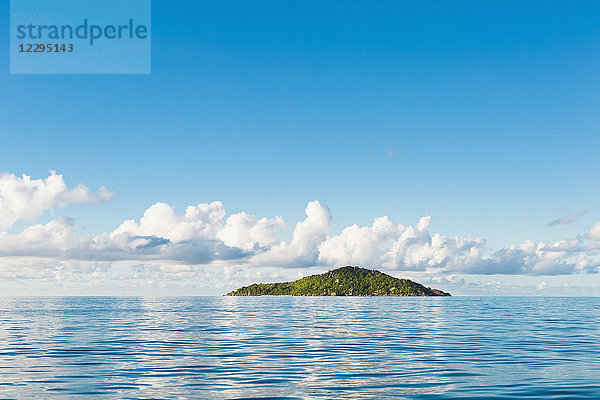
x=299 y=348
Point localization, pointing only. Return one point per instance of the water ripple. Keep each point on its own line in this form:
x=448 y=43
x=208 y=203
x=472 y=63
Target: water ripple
x=297 y=348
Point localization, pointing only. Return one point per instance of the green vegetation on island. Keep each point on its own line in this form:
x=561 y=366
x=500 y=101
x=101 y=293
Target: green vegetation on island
x=345 y=281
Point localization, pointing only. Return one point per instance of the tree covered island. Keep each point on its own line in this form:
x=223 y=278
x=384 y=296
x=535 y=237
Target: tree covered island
x=345 y=281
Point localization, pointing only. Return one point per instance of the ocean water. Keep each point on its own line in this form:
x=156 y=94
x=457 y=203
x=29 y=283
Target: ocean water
x=299 y=347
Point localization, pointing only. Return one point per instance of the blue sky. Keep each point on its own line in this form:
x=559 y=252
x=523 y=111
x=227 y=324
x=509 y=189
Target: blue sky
x=483 y=115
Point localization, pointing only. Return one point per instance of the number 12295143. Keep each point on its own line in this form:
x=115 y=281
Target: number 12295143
x=45 y=48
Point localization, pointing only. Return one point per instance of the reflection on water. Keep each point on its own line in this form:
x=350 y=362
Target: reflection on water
x=299 y=347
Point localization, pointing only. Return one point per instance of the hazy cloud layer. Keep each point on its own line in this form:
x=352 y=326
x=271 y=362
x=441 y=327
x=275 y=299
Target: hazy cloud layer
x=203 y=235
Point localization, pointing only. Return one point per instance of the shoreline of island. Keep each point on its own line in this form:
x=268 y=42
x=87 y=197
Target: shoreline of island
x=348 y=281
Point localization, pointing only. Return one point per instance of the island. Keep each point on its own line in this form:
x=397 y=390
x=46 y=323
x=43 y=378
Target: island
x=345 y=281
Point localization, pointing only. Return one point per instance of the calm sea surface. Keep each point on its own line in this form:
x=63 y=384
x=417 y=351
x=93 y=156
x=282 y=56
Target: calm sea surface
x=299 y=347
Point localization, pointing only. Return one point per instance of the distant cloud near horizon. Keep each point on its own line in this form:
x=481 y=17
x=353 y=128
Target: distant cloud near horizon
x=203 y=235
x=567 y=219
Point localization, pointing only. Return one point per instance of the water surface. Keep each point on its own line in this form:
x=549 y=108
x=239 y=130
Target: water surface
x=300 y=347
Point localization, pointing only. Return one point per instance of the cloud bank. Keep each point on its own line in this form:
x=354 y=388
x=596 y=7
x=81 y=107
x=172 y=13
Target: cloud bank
x=204 y=235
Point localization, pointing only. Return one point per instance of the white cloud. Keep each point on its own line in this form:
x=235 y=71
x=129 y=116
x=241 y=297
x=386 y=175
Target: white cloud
x=303 y=249
x=531 y=258
x=360 y=245
x=160 y=220
x=407 y=248
x=202 y=235
x=247 y=232
x=51 y=239
x=23 y=198
x=396 y=247
x=595 y=231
